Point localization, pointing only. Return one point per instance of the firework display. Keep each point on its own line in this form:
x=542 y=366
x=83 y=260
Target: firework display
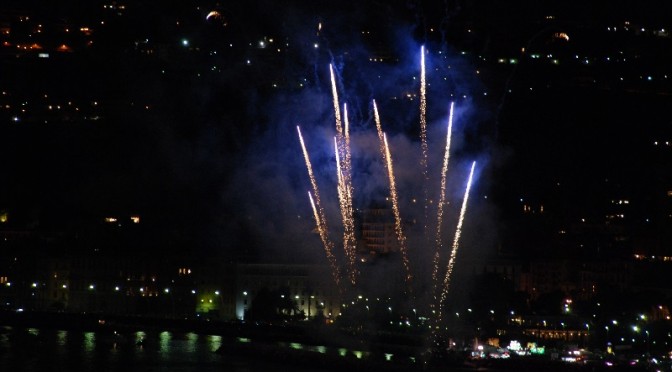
x=440 y=205
x=318 y=211
x=442 y=261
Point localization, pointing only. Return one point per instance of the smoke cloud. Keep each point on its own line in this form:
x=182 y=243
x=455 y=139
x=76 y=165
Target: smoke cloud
x=268 y=191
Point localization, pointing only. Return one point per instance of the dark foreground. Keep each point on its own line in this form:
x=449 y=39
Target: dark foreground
x=58 y=341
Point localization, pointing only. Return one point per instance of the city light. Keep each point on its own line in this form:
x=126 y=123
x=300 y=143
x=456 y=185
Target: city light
x=90 y=146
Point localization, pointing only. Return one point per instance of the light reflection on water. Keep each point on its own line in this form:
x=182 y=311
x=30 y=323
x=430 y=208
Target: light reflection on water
x=33 y=350
x=164 y=342
x=89 y=341
x=61 y=338
x=214 y=341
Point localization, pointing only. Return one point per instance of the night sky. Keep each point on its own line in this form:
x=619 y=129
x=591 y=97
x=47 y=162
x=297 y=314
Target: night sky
x=199 y=137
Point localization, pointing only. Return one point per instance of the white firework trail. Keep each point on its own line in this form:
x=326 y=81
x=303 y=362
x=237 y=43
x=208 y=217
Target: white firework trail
x=346 y=124
x=345 y=185
x=339 y=174
x=328 y=246
x=334 y=92
x=442 y=201
x=423 y=139
x=397 y=216
x=346 y=215
x=347 y=167
x=379 y=129
x=320 y=218
x=313 y=182
x=456 y=245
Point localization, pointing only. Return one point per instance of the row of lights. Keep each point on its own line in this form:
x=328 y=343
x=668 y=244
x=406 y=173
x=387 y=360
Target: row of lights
x=116 y=288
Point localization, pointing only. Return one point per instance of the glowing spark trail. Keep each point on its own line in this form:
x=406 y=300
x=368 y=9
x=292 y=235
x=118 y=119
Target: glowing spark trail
x=313 y=182
x=387 y=160
x=456 y=245
x=347 y=128
x=339 y=174
x=328 y=246
x=319 y=212
x=397 y=217
x=379 y=128
x=346 y=215
x=345 y=183
x=347 y=167
x=442 y=201
x=423 y=135
x=334 y=92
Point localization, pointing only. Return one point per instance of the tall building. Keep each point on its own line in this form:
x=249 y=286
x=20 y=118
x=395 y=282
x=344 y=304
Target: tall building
x=377 y=229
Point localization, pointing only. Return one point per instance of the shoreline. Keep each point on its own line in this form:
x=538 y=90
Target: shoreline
x=290 y=344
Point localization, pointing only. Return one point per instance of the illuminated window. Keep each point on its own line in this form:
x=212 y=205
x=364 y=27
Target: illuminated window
x=561 y=35
x=63 y=48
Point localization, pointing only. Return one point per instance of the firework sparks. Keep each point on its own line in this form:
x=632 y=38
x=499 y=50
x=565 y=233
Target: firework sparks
x=347 y=184
x=313 y=182
x=397 y=217
x=345 y=181
x=339 y=174
x=320 y=218
x=443 y=260
x=442 y=200
x=347 y=164
x=344 y=196
x=423 y=135
x=456 y=245
x=334 y=92
x=328 y=246
x=379 y=129
x=346 y=124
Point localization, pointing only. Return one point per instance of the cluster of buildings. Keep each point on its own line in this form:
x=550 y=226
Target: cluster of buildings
x=45 y=271
x=622 y=246
x=159 y=286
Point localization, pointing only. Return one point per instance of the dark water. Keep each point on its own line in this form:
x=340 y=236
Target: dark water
x=31 y=349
